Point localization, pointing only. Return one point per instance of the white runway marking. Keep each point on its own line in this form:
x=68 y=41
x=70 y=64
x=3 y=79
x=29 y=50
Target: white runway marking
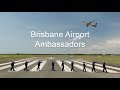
x=66 y=68
x=7 y=66
x=11 y=61
x=106 y=65
x=100 y=68
x=23 y=66
x=41 y=66
x=79 y=66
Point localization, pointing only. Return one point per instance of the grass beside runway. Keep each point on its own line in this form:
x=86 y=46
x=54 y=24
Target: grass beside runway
x=112 y=60
x=10 y=57
x=109 y=59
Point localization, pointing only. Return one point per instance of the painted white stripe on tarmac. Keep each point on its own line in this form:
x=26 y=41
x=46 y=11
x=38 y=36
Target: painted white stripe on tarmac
x=66 y=68
x=41 y=66
x=23 y=66
x=106 y=65
x=8 y=66
x=79 y=66
x=100 y=68
x=11 y=61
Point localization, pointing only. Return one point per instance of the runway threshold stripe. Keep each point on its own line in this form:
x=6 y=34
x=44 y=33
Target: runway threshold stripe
x=41 y=66
x=8 y=66
x=79 y=66
x=11 y=61
x=23 y=66
x=66 y=68
x=116 y=68
x=99 y=68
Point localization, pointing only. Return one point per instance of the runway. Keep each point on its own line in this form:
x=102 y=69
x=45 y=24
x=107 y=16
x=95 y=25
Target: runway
x=46 y=72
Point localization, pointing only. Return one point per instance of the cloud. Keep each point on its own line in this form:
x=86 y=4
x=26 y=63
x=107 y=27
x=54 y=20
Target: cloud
x=76 y=39
x=113 y=42
x=110 y=46
x=96 y=47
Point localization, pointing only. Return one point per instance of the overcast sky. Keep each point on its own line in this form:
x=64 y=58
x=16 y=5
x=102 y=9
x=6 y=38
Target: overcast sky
x=15 y=30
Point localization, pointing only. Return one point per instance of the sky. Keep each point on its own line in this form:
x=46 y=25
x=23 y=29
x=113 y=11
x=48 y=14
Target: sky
x=15 y=28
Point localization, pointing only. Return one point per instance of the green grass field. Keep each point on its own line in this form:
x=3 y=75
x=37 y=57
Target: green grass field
x=113 y=60
x=7 y=57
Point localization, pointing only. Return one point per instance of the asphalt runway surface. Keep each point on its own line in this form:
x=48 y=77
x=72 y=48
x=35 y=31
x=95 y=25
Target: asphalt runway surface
x=46 y=71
